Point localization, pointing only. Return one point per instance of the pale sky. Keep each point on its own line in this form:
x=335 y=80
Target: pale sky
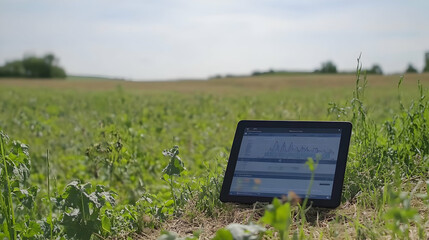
x=162 y=39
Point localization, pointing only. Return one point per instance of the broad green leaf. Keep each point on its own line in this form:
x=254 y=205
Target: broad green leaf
x=169 y=203
x=278 y=215
x=105 y=223
x=223 y=234
x=32 y=229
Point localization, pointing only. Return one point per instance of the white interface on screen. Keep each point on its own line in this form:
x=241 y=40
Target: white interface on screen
x=272 y=162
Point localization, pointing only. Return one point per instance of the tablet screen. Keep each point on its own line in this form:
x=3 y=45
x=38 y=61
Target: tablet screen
x=272 y=161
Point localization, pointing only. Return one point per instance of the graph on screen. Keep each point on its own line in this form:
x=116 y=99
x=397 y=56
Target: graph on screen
x=322 y=148
x=291 y=150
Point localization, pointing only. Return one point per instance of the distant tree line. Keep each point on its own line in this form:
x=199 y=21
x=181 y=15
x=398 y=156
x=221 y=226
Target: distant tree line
x=327 y=67
x=33 y=67
x=331 y=68
x=375 y=69
x=412 y=69
x=258 y=73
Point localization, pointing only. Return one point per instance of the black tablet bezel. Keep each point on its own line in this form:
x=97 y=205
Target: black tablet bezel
x=345 y=127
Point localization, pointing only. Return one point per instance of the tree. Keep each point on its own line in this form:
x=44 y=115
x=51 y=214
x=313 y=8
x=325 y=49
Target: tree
x=58 y=72
x=426 y=69
x=375 y=69
x=411 y=69
x=328 y=67
x=11 y=69
x=50 y=59
x=34 y=67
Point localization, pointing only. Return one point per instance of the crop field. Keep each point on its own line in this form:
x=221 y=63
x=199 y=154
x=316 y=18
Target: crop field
x=86 y=159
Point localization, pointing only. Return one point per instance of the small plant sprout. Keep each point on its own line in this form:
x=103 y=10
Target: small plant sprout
x=278 y=215
x=174 y=168
x=312 y=167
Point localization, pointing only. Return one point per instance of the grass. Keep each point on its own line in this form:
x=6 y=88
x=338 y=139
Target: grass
x=306 y=82
x=113 y=134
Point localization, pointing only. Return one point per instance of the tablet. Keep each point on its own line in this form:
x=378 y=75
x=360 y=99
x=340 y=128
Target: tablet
x=268 y=160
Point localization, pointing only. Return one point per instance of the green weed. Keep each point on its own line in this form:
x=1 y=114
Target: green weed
x=174 y=168
x=85 y=210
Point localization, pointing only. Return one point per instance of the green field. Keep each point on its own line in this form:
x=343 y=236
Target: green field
x=104 y=175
